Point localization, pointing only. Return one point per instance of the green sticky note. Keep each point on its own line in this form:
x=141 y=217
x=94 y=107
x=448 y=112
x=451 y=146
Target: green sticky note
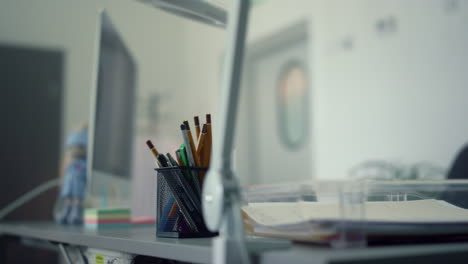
x=99 y=259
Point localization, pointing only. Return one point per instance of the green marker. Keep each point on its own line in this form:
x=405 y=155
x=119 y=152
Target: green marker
x=183 y=155
x=187 y=173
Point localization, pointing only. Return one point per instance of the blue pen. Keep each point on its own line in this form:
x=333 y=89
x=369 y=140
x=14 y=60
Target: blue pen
x=166 y=222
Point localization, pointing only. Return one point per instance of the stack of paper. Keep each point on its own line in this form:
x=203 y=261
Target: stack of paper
x=107 y=218
x=320 y=222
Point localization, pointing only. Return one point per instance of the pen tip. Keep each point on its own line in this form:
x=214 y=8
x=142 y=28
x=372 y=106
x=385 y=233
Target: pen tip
x=150 y=144
x=204 y=129
x=182 y=127
x=186 y=123
x=208 y=118
x=197 y=120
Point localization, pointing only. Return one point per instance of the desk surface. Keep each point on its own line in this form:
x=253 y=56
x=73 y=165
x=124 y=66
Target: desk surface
x=136 y=240
x=143 y=241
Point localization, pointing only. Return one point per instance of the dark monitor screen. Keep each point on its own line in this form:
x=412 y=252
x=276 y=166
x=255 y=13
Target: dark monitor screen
x=114 y=105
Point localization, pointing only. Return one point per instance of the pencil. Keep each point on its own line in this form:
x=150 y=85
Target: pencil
x=152 y=148
x=183 y=201
x=173 y=162
x=192 y=145
x=154 y=151
x=197 y=126
x=191 y=159
x=201 y=152
x=201 y=144
x=209 y=139
x=179 y=158
x=174 y=208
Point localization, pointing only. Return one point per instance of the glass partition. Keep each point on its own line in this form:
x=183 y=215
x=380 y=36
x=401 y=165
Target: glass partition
x=352 y=127
x=337 y=90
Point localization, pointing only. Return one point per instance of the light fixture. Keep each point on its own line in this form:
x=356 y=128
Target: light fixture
x=204 y=11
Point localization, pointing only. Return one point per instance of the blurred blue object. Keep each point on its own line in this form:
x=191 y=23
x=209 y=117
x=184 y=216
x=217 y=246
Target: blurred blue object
x=69 y=206
x=78 y=138
x=74 y=183
x=75 y=216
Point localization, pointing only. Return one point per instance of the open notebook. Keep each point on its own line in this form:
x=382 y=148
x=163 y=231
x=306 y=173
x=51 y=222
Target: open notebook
x=320 y=222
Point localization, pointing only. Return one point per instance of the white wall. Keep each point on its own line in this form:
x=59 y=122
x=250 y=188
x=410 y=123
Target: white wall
x=398 y=96
x=165 y=46
x=177 y=60
x=64 y=25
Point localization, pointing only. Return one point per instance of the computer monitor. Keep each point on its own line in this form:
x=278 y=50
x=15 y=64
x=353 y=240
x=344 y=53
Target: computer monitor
x=111 y=126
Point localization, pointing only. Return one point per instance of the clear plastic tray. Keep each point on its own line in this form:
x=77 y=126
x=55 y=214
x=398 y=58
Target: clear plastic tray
x=359 y=213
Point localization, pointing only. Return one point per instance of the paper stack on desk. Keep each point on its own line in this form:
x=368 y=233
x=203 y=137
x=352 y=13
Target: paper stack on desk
x=383 y=221
x=107 y=218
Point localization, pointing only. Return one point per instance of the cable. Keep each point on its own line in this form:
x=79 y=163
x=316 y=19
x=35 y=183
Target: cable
x=83 y=256
x=64 y=252
x=28 y=196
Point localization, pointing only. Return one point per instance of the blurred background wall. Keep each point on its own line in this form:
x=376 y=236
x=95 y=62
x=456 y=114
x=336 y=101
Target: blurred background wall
x=177 y=62
x=386 y=81
x=385 y=78
x=163 y=45
x=379 y=80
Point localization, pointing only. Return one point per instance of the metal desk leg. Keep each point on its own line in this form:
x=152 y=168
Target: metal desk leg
x=64 y=252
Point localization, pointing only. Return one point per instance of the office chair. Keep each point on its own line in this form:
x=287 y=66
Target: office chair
x=458 y=171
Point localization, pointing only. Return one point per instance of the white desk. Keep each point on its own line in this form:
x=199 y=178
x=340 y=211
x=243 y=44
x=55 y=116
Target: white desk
x=143 y=241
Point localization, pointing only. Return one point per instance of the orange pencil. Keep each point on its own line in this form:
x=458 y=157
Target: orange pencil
x=154 y=151
x=208 y=140
x=202 y=152
x=201 y=145
x=152 y=148
x=197 y=126
x=174 y=210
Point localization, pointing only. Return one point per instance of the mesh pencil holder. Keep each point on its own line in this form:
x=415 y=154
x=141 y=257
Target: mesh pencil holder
x=179 y=206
